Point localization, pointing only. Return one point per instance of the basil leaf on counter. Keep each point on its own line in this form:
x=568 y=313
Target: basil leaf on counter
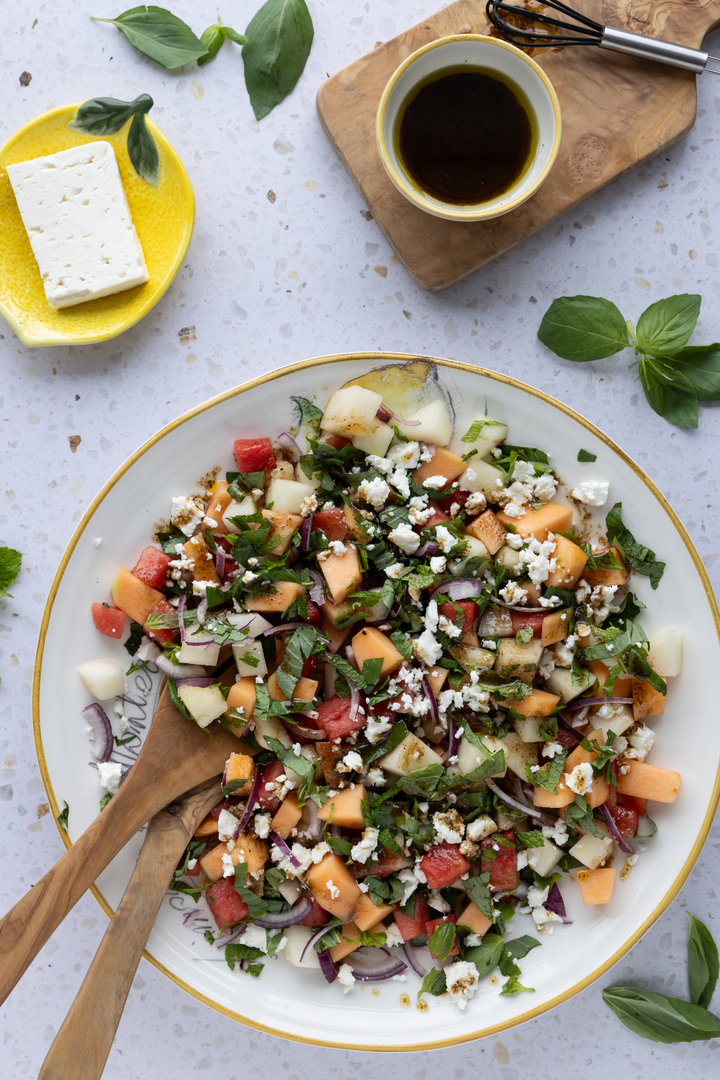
x=105 y=116
x=660 y=1018
x=213 y=38
x=703 y=967
x=158 y=34
x=62 y=818
x=665 y=327
x=640 y=558
x=279 y=37
x=700 y=364
x=669 y=393
x=583 y=328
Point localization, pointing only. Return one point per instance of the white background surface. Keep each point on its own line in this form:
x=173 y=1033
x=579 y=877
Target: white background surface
x=267 y=283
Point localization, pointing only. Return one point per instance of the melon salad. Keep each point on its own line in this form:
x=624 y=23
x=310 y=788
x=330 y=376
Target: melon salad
x=440 y=692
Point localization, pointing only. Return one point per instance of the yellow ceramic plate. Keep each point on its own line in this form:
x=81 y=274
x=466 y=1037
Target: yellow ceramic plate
x=164 y=217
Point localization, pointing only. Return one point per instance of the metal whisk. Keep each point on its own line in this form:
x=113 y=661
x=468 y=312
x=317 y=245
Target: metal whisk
x=585 y=31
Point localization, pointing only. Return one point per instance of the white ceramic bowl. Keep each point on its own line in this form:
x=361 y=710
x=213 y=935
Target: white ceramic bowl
x=295 y=1004
x=489 y=54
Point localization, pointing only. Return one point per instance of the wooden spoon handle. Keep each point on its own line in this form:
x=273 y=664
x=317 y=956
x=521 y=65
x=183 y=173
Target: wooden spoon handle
x=81 y=1047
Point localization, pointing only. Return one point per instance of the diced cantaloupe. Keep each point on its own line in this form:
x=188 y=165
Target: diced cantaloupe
x=544 y=798
x=286 y=592
x=608 y=577
x=621 y=687
x=207 y=827
x=203 y=566
x=240 y=767
x=287 y=816
x=442 y=463
x=487 y=528
x=371 y=644
x=538 y=703
x=333 y=886
x=335 y=637
x=334 y=612
x=133 y=596
x=247 y=849
x=367 y=914
x=342 y=573
x=647 y=701
x=570 y=560
x=650 y=782
x=219 y=502
x=348 y=808
x=473 y=917
x=555 y=627
x=242 y=698
x=284 y=527
x=596 y=886
x=579 y=755
x=551 y=517
x=356 y=525
x=344 y=948
x=437 y=677
x=305 y=689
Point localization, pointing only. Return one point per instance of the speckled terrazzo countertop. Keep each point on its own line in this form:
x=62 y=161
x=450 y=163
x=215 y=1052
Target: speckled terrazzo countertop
x=285 y=264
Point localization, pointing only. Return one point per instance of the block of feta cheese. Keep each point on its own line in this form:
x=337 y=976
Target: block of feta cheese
x=76 y=213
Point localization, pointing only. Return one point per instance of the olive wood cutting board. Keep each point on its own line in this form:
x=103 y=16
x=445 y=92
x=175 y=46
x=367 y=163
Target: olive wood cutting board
x=617 y=112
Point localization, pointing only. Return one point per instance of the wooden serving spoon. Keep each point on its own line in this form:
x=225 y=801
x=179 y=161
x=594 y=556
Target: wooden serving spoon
x=80 y=1049
x=176 y=756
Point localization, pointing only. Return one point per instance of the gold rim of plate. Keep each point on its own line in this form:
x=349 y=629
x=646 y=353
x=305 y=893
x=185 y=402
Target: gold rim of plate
x=163 y=217
x=374 y=359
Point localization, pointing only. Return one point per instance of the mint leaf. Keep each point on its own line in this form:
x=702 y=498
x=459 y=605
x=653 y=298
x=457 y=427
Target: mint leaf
x=636 y=555
x=434 y=983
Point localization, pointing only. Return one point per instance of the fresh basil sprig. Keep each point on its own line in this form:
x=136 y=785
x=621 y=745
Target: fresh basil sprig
x=157 y=33
x=105 y=116
x=213 y=38
x=674 y=376
x=666 y=1019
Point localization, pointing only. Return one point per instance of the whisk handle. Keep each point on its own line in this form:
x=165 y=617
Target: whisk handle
x=664 y=52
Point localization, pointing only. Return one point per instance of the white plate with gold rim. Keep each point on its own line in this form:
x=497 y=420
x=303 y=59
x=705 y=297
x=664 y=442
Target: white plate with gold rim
x=285 y=1001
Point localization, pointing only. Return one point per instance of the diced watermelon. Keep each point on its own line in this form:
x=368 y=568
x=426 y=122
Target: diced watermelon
x=500 y=860
x=634 y=803
x=332 y=523
x=626 y=820
x=470 y=609
x=336 y=441
x=386 y=864
x=310 y=666
x=163 y=637
x=444 y=865
x=254 y=455
x=438 y=516
x=527 y=621
x=226 y=906
x=334 y=718
x=449 y=495
x=431 y=927
x=109 y=620
x=267 y=799
x=412 y=926
x=225 y=804
x=318 y=916
x=152 y=567
x=314 y=613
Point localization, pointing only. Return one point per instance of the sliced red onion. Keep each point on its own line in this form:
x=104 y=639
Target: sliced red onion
x=201 y=612
x=305 y=533
x=375 y=964
x=580 y=703
x=290 y=889
x=327 y=965
x=317 y=589
x=524 y=610
x=252 y=799
x=429 y=548
x=316 y=937
x=329 y=677
x=350 y=654
x=314 y=827
x=460 y=588
x=179 y=671
x=208 y=681
x=288 y=444
x=580 y=718
x=615 y=832
x=230 y=935
x=281 y=628
x=509 y=801
x=431 y=698
x=280 y=843
x=279 y=920
x=182 y=600
x=220 y=556
x=395 y=610
x=555 y=901
x=191 y=917
x=101 y=736
x=454 y=739
x=303 y=734
x=384 y=413
x=413 y=960
x=354 y=701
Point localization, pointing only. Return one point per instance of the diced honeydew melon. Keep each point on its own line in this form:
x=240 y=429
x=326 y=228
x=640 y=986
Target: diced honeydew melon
x=543 y=860
x=529 y=729
x=376 y=440
x=492 y=434
x=481 y=476
x=104 y=679
x=249 y=657
x=591 y=851
x=286 y=496
x=518 y=660
x=351 y=411
x=666 y=652
x=619 y=722
x=308 y=752
x=561 y=682
x=237 y=509
x=435 y=425
x=518 y=754
x=495 y=621
x=297 y=939
x=475 y=549
x=312 y=481
x=204 y=703
x=408 y=756
x=509 y=560
x=272 y=728
x=472 y=658
x=248 y=620
x=203 y=649
x=469 y=757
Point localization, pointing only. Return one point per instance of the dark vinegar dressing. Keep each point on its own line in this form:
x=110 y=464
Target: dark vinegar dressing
x=465 y=137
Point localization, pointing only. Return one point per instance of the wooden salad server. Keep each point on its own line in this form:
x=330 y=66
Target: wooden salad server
x=176 y=756
x=80 y=1049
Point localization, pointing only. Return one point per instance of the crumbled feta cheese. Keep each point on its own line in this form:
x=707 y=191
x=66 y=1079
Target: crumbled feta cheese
x=541 y=915
x=375 y=778
x=406 y=455
x=427 y=649
x=405 y=537
x=332 y=888
x=97 y=541
x=481 y=827
x=449 y=826
x=592 y=492
x=544 y=488
x=437 y=901
x=148 y=650
x=401 y=483
x=351 y=761
x=475 y=503
x=381 y=464
x=375 y=492
x=346 y=978
x=580 y=779
x=438 y=564
x=227 y=824
x=364 y=848
x=435 y=482
x=192 y=863
x=308 y=506
x=462 y=980
x=642 y=741
x=536 y=896
x=558 y=832
x=320 y=851
x=187 y=513
x=513 y=594
x=200 y=587
x=410 y=880
x=110 y=773
x=395 y=570
x=552 y=748
x=262 y=825
x=375 y=729
x=488 y=643
x=446 y=540
x=514 y=541
x=418 y=509
x=394 y=937
x=514 y=509
x=228 y=865
x=521 y=860
x=302 y=854
x=248 y=577
x=537 y=560
x=255 y=937
x=337 y=547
